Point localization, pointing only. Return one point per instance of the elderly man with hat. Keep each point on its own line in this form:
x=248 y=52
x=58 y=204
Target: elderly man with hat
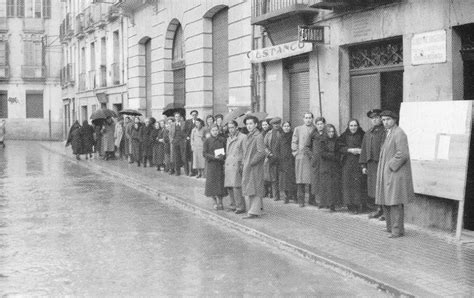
x=272 y=148
x=369 y=156
x=394 y=186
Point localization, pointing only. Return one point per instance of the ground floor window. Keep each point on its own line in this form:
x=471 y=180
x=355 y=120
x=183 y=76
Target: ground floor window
x=3 y=104
x=34 y=105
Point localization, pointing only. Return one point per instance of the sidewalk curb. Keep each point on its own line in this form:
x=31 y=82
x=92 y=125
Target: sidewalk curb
x=268 y=239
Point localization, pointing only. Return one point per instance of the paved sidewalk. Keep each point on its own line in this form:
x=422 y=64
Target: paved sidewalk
x=419 y=264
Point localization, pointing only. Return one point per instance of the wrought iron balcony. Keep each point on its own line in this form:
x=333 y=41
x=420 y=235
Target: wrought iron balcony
x=33 y=72
x=348 y=4
x=132 y=5
x=267 y=11
x=100 y=13
x=4 y=72
x=116 y=73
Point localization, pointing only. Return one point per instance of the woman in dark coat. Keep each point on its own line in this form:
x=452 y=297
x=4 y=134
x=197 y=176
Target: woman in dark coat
x=330 y=169
x=349 y=144
x=314 y=146
x=136 y=136
x=87 y=135
x=98 y=139
x=147 y=141
x=287 y=164
x=215 y=167
x=158 y=145
x=74 y=139
x=266 y=127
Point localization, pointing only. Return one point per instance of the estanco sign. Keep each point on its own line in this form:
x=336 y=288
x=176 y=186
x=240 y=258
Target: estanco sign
x=279 y=51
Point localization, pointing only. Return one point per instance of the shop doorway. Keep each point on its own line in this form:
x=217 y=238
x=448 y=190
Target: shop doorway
x=466 y=33
x=376 y=78
x=298 y=73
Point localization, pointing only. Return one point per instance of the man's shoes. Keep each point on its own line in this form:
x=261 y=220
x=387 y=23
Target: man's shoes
x=376 y=214
x=250 y=216
x=239 y=211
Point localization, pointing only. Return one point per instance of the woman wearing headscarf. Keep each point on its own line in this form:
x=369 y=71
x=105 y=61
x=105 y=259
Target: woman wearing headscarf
x=136 y=135
x=287 y=164
x=349 y=144
x=330 y=169
x=314 y=146
x=87 y=135
x=159 y=145
x=197 y=141
x=74 y=139
x=214 y=152
x=147 y=141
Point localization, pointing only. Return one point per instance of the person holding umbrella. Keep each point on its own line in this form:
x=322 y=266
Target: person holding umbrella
x=108 y=141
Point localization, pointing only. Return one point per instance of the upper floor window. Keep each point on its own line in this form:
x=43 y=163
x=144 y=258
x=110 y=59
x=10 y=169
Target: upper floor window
x=32 y=9
x=33 y=53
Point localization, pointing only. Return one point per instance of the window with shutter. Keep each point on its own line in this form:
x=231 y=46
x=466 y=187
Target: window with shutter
x=46 y=9
x=34 y=105
x=3 y=8
x=11 y=8
x=20 y=8
x=3 y=53
x=37 y=9
x=29 y=52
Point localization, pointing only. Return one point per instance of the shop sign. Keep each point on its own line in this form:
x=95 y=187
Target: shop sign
x=102 y=97
x=428 y=47
x=313 y=34
x=279 y=51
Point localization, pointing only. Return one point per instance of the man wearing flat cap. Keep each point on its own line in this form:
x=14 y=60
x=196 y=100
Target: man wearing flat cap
x=369 y=156
x=272 y=148
x=394 y=186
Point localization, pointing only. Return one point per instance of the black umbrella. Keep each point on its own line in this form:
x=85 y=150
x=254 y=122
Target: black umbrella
x=130 y=112
x=234 y=114
x=103 y=114
x=174 y=107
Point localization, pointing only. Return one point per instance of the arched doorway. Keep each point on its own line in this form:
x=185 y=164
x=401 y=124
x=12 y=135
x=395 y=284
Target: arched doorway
x=178 y=67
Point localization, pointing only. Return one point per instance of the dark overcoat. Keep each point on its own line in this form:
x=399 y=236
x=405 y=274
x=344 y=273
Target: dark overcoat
x=158 y=145
x=108 y=139
x=147 y=140
x=87 y=135
x=215 y=167
x=394 y=182
x=369 y=156
x=128 y=138
x=74 y=138
x=313 y=144
x=287 y=163
x=233 y=161
x=136 y=136
x=351 y=171
x=330 y=172
x=272 y=144
x=253 y=158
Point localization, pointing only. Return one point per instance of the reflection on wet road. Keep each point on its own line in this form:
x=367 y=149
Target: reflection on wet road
x=67 y=230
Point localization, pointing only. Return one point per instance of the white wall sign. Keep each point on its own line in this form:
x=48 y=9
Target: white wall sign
x=279 y=51
x=428 y=47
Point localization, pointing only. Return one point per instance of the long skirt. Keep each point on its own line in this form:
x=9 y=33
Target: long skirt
x=198 y=159
x=158 y=154
x=215 y=179
x=136 y=150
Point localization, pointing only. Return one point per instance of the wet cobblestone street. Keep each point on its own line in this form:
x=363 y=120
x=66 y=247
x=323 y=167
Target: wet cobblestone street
x=65 y=230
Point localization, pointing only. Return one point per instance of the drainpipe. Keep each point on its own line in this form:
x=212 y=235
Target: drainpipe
x=262 y=75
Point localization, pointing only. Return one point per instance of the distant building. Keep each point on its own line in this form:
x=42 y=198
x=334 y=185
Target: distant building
x=192 y=53
x=94 y=65
x=30 y=57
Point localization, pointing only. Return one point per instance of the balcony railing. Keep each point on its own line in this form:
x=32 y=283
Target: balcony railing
x=82 y=82
x=103 y=76
x=99 y=13
x=92 y=84
x=264 y=11
x=116 y=73
x=4 y=72
x=33 y=72
x=348 y=4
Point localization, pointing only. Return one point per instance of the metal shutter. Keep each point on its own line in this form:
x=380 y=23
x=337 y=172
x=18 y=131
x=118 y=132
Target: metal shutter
x=34 y=105
x=220 y=59
x=365 y=95
x=299 y=89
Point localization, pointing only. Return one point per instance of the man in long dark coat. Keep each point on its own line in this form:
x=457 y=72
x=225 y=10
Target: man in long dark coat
x=370 y=153
x=189 y=125
x=178 y=145
x=394 y=180
x=272 y=143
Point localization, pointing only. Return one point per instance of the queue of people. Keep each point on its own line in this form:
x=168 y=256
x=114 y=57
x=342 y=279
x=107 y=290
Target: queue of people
x=307 y=164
